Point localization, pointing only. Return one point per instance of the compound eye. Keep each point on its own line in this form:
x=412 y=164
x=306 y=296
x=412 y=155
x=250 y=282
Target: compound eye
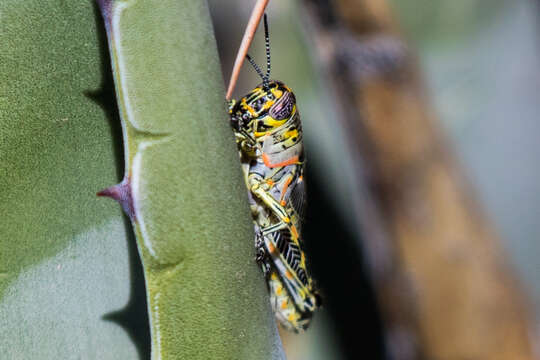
x=283 y=108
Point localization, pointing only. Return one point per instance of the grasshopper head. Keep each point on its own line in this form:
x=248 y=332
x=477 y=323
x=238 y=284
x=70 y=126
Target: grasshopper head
x=263 y=109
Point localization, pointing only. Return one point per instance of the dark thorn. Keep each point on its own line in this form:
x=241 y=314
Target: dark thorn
x=122 y=194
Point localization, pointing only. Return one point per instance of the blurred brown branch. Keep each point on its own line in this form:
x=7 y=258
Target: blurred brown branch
x=444 y=289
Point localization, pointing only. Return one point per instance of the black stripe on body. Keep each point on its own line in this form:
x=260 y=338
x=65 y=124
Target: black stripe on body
x=290 y=252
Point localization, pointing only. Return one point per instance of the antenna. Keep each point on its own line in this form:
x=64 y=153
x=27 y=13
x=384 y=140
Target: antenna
x=267 y=43
x=256 y=67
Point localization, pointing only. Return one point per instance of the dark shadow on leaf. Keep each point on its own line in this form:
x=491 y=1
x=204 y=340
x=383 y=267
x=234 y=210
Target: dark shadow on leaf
x=105 y=96
x=133 y=318
x=338 y=267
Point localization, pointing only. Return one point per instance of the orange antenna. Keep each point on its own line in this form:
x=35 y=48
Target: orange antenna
x=254 y=20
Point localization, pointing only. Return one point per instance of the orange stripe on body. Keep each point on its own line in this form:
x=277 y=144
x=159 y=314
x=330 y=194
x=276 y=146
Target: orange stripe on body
x=290 y=161
x=271 y=248
x=294 y=231
x=285 y=187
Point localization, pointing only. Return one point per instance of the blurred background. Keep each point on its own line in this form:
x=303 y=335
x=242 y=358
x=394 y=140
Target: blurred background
x=421 y=126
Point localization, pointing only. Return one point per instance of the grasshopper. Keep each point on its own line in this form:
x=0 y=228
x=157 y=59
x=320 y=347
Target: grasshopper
x=268 y=133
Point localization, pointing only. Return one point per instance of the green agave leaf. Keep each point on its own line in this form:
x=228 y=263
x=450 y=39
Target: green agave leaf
x=64 y=258
x=183 y=187
x=68 y=272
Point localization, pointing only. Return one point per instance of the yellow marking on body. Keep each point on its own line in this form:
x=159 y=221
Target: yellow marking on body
x=291 y=318
x=284 y=304
x=270 y=182
x=291 y=134
x=288 y=275
x=245 y=106
x=271 y=248
x=279 y=290
x=267 y=105
x=283 y=203
x=287 y=220
x=277 y=93
x=270 y=121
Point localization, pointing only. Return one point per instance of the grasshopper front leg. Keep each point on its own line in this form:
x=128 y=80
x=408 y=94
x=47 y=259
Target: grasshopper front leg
x=256 y=187
x=261 y=256
x=273 y=228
